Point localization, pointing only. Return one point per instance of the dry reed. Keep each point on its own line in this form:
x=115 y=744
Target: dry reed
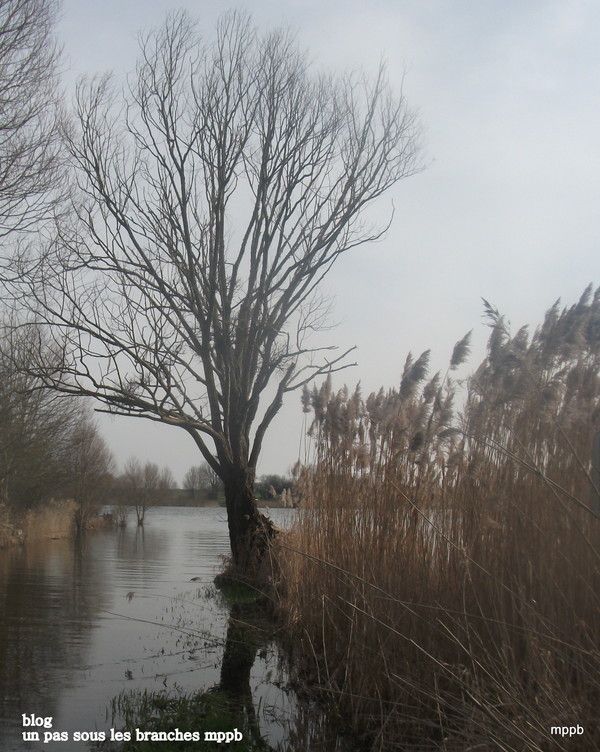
x=442 y=583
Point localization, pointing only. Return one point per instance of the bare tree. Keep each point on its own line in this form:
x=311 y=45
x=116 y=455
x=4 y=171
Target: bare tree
x=210 y=202
x=49 y=446
x=29 y=142
x=144 y=485
x=192 y=480
x=202 y=478
x=89 y=467
x=36 y=425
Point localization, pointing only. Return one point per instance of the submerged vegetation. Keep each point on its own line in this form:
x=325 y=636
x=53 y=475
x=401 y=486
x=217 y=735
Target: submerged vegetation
x=225 y=707
x=203 y=711
x=456 y=554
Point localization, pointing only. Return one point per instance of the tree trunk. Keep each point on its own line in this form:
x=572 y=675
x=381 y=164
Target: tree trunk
x=249 y=531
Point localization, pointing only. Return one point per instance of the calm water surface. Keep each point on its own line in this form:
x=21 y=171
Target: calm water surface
x=80 y=623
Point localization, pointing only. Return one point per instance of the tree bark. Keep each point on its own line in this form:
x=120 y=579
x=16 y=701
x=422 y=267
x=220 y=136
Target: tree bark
x=249 y=531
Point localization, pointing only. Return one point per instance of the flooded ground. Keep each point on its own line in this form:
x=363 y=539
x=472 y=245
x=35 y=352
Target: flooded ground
x=124 y=610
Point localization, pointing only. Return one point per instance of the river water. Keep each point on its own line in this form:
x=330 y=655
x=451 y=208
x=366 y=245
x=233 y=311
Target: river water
x=125 y=609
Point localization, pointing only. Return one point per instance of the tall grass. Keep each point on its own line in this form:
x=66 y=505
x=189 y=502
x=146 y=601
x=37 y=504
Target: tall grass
x=53 y=520
x=442 y=583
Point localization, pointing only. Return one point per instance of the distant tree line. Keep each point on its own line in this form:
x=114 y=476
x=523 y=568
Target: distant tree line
x=203 y=482
x=272 y=486
x=50 y=447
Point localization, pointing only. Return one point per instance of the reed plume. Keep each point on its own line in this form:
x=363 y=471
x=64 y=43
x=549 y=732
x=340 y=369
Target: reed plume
x=447 y=542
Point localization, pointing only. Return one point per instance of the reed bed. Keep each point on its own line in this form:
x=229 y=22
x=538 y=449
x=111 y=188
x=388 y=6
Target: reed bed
x=442 y=583
x=53 y=520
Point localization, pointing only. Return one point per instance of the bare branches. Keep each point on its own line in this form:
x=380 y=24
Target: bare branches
x=48 y=445
x=29 y=148
x=143 y=486
x=207 y=206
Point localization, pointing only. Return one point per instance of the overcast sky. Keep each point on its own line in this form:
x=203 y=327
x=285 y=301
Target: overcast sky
x=508 y=97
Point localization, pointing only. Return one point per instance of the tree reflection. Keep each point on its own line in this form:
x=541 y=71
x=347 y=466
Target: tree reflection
x=226 y=706
x=241 y=646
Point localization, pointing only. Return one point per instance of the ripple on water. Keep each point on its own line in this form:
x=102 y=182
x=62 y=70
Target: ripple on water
x=79 y=623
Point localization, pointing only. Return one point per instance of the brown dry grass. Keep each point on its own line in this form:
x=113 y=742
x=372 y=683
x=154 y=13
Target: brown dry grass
x=53 y=520
x=442 y=584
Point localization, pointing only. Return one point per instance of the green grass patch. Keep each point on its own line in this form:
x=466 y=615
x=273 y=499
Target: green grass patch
x=162 y=711
x=234 y=591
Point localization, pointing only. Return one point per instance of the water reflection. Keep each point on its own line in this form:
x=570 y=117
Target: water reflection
x=230 y=704
x=129 y=609
x=49 y=597
x=244 y=630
